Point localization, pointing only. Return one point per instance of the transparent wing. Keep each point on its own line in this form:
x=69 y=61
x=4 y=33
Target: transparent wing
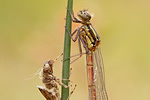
x=99 y=77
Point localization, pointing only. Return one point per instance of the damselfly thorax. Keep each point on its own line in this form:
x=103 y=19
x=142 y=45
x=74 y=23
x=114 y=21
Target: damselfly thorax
x=89 y=37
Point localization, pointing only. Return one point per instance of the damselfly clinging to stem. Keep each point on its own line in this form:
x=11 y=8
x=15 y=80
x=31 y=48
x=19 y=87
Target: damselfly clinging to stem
x=87 y=35
x=50 y=91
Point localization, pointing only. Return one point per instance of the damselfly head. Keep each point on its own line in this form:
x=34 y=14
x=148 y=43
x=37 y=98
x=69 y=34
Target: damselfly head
x=48 y=66
x=84 y=15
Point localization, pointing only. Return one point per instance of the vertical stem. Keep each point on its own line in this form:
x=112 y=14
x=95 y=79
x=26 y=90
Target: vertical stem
x=66 y=52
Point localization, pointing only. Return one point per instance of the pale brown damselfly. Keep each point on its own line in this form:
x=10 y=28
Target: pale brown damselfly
x=86 y=35
x=50 y=90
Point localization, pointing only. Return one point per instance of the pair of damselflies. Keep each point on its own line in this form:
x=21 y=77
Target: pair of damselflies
x=86 y=35
x=90 y=40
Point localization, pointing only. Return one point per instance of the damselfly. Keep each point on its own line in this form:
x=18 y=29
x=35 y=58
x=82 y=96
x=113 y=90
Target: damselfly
x=87 y=35
x=50 y=91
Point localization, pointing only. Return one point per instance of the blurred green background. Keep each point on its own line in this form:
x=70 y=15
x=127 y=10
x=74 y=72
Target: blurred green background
x=32 y=32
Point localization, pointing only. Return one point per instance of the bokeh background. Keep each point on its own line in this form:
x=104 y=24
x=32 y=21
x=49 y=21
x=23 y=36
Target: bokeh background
x=32 y=32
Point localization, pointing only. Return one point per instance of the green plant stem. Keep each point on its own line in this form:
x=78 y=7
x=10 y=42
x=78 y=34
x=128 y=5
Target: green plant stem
x=66 y=53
